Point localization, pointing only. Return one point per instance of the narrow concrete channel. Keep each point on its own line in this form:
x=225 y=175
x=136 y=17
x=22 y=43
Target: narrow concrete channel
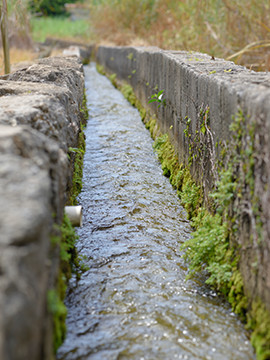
x=134 y=302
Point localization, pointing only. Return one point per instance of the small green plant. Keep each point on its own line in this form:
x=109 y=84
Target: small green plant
x=130 y=56
x=75 y=150
x=158 y=97
x=186 y=130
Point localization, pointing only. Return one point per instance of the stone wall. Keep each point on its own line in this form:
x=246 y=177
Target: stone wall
x=39 y=120
x=202 y=96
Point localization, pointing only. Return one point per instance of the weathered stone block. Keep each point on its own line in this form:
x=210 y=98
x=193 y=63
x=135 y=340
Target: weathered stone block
x=39 y=120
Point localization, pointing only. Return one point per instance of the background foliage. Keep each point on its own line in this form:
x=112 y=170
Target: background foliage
x=237 y=30
x=49 y=7
x=234 y=29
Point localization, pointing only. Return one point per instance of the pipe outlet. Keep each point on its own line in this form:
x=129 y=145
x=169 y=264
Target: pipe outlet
x=74 y=213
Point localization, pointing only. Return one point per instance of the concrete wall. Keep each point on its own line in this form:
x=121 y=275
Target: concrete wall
x=192 y=84
x=39 y=120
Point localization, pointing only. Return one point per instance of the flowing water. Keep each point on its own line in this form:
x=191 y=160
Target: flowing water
x=134 y=302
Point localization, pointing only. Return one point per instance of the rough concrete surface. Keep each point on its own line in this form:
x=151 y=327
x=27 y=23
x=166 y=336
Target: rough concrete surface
x=193 y=83
x=39 y=119
x=43 y=113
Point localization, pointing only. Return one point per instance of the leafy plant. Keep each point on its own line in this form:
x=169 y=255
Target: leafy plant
x=158 y=97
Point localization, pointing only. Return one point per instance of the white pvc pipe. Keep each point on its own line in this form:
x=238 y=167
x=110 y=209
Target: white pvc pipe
x=74 y=213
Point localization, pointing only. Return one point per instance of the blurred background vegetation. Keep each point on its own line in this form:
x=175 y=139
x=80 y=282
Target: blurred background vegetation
x=237 y=30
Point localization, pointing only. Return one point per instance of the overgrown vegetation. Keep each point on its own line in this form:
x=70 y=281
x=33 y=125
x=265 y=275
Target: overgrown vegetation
x=235 y=29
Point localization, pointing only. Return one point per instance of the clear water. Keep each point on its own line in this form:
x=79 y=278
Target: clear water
x=134 y=302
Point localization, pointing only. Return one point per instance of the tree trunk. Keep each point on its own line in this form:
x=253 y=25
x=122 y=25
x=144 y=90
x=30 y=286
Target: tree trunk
x=4 y=33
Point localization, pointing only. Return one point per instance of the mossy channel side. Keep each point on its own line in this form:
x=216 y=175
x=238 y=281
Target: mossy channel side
x=65 y=238
x=213 y=248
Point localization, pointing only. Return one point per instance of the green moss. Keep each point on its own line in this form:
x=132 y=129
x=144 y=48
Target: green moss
x=70 y=263
x=59 y=312
x=236 y=297
x=112 y=78
x=189 y=193
x=84 y=109
x=130 y=56
x=191 y=196
x=77 y=154
x=152 y=126
x=207 y=250
x=166 y=155
x=259 y=323
x=100 y=69
x=128 y=93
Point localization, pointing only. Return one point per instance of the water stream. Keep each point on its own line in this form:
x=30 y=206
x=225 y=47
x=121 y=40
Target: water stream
x=134 y=302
